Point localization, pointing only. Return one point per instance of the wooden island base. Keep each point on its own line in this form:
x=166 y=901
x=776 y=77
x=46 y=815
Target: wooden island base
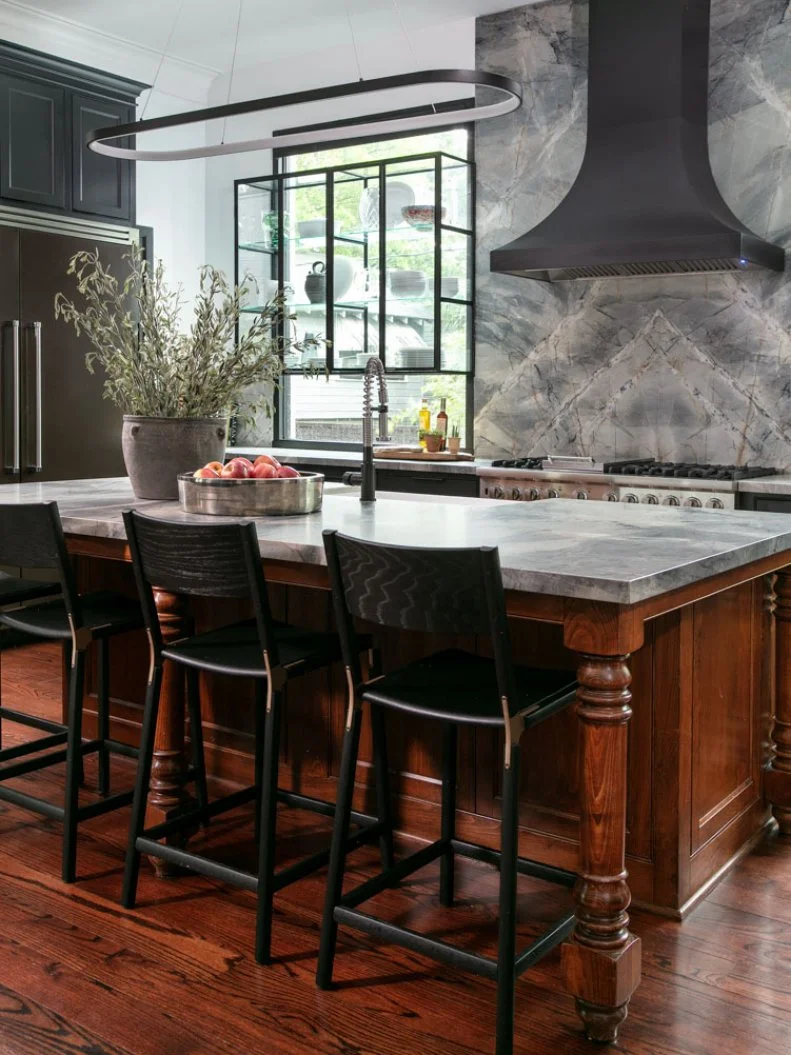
x=672 y=731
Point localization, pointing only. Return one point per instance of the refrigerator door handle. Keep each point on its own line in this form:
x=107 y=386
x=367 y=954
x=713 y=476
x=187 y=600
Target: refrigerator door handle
x=11 y=404
x=36 y=463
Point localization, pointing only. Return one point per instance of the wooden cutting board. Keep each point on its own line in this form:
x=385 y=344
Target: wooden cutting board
x=421 y=456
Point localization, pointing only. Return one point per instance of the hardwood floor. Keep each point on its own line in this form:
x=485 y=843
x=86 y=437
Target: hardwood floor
x=80 y=976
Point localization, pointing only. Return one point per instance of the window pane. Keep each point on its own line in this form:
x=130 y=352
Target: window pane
x=328 y=409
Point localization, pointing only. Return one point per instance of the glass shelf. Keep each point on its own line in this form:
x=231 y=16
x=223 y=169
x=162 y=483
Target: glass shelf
x=258 y=247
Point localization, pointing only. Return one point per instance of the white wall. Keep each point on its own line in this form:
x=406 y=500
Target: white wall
x=451 y=44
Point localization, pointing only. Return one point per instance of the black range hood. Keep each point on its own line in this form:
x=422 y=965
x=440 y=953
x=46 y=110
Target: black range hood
x=645 y=201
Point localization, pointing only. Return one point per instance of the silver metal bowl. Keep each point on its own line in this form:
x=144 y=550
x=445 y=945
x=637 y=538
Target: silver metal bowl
x=292 y=496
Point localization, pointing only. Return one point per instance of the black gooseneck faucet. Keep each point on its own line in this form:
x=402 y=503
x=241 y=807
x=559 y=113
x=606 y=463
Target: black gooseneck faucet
x=367 y=478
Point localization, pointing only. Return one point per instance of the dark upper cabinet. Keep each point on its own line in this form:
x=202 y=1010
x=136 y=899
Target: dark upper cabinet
x=32 y=142
x=49 y=108
x=100 y=185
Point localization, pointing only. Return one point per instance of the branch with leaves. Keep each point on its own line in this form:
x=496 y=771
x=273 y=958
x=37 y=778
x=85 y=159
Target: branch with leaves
x=154 y=369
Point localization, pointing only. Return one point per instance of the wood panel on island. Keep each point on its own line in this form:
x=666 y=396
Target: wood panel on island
x=668 y=796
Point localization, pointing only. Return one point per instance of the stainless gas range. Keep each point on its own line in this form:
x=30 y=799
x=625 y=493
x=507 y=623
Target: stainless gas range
x=639 y=480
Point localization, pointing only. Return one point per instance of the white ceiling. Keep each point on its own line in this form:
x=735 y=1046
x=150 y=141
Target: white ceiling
x=204 y=31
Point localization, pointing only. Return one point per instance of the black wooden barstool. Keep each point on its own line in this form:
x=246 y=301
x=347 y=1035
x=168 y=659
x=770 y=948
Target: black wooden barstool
x=31 y=537
x=219 y=561
x=440 y=591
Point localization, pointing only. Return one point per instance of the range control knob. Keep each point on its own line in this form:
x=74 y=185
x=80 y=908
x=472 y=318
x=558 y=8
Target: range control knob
x=651 y=500
x=516 y=494
x=715 y=503
x=533 y=494
x=582 y=495
x=553 y=493
x=498 y=492
x=611 y=496
x=629 y=497
x=671 y=500
x=694 y=502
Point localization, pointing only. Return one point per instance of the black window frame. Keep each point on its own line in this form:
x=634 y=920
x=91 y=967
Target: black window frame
x=279 y=154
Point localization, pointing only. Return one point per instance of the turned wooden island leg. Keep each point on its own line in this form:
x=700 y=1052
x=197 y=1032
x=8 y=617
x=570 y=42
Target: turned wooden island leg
x=601 y=959
x=778 y=776
x=167 y=794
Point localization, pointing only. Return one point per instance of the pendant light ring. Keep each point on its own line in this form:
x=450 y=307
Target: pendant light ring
x=104 y=140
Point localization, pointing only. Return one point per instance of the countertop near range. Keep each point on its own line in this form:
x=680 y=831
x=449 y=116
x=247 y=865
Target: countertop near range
x=352 y=459
x=594 y=550
x=766 y=485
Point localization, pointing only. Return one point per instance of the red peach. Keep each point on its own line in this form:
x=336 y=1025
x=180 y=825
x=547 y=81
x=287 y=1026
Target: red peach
x=286 y=472
x=206 y=474
x=266 y=459
x=264 y=471
x=215 y=466
x=236 y=469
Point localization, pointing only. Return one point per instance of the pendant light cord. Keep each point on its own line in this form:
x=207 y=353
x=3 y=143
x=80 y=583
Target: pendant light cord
x=354 y=41
x=162 y=58
x=233 y=64
x=410 y=46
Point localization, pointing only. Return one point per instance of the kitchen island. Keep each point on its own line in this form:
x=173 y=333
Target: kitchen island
x=683 y=617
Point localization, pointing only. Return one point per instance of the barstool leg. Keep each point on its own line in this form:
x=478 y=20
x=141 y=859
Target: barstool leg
x=447 y=863
x=506 y=953
x=103 y=697
x=268 y=824
x=340 y=836
x=67 y=673
x=73 y=766
x=382 y=777
x=137 y=823
x=259 y=731
x=196 y=740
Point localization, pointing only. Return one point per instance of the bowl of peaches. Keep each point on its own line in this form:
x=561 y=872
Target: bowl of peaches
x=244 y=488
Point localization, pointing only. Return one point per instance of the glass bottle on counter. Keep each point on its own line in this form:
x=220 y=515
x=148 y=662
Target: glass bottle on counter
x=424 y=421
x=442 y=423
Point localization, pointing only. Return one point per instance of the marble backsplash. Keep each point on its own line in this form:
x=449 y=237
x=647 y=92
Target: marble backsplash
x=688 y=368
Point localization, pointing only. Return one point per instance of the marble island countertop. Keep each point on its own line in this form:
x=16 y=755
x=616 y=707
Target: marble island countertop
x=595 y=550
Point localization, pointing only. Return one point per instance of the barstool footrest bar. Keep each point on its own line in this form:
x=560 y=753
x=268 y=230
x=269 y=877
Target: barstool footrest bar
x=525 y=866
x=32 y=765
x=112 y=802
x=405 y=867
x=409 y=939
x=118 y=747
x=47 y=725
x=326 y=809
x=214 y=809
x=195 y=863
x=43 y=743
x=30 y=802
x=546 y=943
x=307 y=865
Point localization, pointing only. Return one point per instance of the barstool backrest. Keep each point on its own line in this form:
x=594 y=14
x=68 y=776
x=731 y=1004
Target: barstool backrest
x=31 y=536
x=434 y=591
x=200 y=560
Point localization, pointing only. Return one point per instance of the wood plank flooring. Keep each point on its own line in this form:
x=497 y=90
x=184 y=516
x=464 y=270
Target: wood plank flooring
x=80 y=976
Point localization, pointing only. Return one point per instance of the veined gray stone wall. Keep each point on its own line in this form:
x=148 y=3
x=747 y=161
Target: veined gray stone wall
x=688 y=368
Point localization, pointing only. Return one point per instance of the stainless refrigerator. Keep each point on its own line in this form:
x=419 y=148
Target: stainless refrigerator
x=54 y=423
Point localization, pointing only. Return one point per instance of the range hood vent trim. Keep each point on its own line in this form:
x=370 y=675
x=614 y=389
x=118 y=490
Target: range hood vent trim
x=645 y=201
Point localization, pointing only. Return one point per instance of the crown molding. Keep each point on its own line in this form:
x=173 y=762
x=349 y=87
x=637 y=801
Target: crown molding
x=66 y=39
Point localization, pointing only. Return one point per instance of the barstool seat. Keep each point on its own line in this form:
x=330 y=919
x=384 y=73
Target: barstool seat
x=236 y=649
x=19 y=591
x=458 y=686
x=104 y=614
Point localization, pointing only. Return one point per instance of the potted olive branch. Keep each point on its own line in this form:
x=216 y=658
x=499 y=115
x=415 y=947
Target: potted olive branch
x=174 y=388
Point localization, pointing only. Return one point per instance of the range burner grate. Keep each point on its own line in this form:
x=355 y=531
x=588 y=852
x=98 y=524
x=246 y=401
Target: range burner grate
x=518 y=463
x=651 y=467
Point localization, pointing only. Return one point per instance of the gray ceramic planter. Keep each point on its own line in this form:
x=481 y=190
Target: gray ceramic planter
x=157 y=450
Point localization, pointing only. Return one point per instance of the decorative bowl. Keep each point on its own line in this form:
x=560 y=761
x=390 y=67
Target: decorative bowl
x=422 y=217
x=291 y=496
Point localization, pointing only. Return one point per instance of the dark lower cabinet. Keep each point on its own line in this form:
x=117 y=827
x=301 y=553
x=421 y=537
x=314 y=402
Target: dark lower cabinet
x=766 y=503
x=49 y=108
x=32 y=142
x=463 y=485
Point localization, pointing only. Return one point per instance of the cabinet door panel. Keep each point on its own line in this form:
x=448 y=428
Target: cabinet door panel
x=100 y=185
x=32 y=136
